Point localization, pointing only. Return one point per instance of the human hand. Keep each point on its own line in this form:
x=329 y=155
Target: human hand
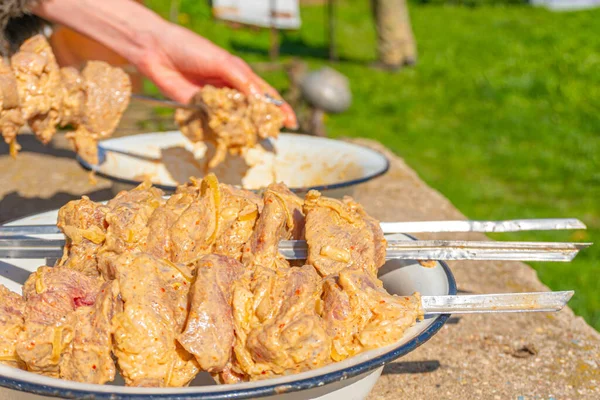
x=180 y=62
x=177 y=60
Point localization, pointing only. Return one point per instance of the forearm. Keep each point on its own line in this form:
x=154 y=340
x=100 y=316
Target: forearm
x=122 y=25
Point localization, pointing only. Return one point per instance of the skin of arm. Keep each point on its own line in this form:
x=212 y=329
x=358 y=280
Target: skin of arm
x=176 y=59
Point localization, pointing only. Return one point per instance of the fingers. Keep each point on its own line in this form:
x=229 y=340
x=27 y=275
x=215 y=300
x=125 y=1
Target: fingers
x=170 y=82
x=290 y=116
x=252 y=84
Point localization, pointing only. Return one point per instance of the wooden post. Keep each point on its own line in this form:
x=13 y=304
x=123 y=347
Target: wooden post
x=331 y=29
x=274 y=49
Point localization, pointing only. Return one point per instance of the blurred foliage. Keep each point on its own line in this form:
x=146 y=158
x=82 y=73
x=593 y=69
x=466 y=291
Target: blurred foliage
x=501 y=114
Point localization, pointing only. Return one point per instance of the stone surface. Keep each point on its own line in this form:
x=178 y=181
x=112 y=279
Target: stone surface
x=502 y=356
x=499 y=356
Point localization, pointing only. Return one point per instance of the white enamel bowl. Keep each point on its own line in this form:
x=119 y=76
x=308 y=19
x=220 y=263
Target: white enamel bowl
x=302 y=162
x=351 y=379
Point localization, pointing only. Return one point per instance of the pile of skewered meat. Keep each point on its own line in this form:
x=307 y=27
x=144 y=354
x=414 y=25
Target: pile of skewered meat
x=34 y=90
x=230 y=120
x=171 y=287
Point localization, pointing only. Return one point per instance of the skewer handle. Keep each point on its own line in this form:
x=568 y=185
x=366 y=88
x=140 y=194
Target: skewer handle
x=515 y=225
x=496 y=303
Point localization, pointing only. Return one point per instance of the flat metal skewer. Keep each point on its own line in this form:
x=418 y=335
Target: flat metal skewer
x=174 y=104
x=387 y=227
x=496 y=303
x=459 y=250
x=515 y=225
x=165 y=102
x=396 y=249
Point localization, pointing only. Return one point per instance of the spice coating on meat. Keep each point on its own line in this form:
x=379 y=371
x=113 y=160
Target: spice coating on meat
x=360 y=315
x=88 y=358
x=145 y=331
x=239 y=210
x=11 y=119
x=52 y=294
x=39 y=86
x=278 y=330
x=209 y=330
x=73 y=96
x=203 y=217
x=84 y=225
x=12 y=315
x=339 y=234
x=159 y=242
x=280 y=219
x=230 y=120
x=127 y=224
x=107 y=91
x=195 y=231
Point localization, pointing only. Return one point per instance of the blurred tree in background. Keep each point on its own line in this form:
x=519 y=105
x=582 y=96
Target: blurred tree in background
x=395 y=40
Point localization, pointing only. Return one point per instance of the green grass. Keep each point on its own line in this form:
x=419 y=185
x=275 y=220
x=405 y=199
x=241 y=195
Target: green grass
x=501 y=114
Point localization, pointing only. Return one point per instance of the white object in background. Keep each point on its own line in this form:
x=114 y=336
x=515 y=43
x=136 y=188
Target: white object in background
x=258 y=12
x=566 y=5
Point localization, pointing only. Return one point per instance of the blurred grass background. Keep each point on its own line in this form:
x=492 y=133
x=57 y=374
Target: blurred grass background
x=501 y=113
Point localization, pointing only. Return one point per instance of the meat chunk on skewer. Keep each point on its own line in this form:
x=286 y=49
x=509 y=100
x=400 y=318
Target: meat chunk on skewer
x=11 y=119
x=12 y=314
x=145 y=331
x=107 y=92
x=209 y=330
x=340 y=234
x=230 y=120
x=88 y=358
x=203 y=217
x=159 y=242
x=39 y=86
x=360 y=315
x=52 y=294
x=84 y=224
x=239 y=211
x=278 y=329
x=73 y=97
x=195 y=231
x=281 y=219
x=126 y=223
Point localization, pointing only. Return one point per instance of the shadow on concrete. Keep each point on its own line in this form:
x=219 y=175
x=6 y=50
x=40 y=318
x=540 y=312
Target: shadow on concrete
x=411 y=367
x=29 y=144
x=14 y=206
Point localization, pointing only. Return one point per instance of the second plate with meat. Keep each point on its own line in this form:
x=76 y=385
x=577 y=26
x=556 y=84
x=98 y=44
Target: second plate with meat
x=301 y=162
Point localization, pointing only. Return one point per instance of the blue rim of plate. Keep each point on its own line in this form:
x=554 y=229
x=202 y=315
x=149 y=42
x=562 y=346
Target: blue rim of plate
x=90 y=167
x=262 y=391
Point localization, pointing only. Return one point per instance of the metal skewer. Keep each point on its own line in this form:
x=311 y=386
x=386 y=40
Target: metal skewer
x=459 y=250
x=516 y=225
x=174 y=104
x=165 y=103
x=396 y=249
x=495 y=303
x=389 y=227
